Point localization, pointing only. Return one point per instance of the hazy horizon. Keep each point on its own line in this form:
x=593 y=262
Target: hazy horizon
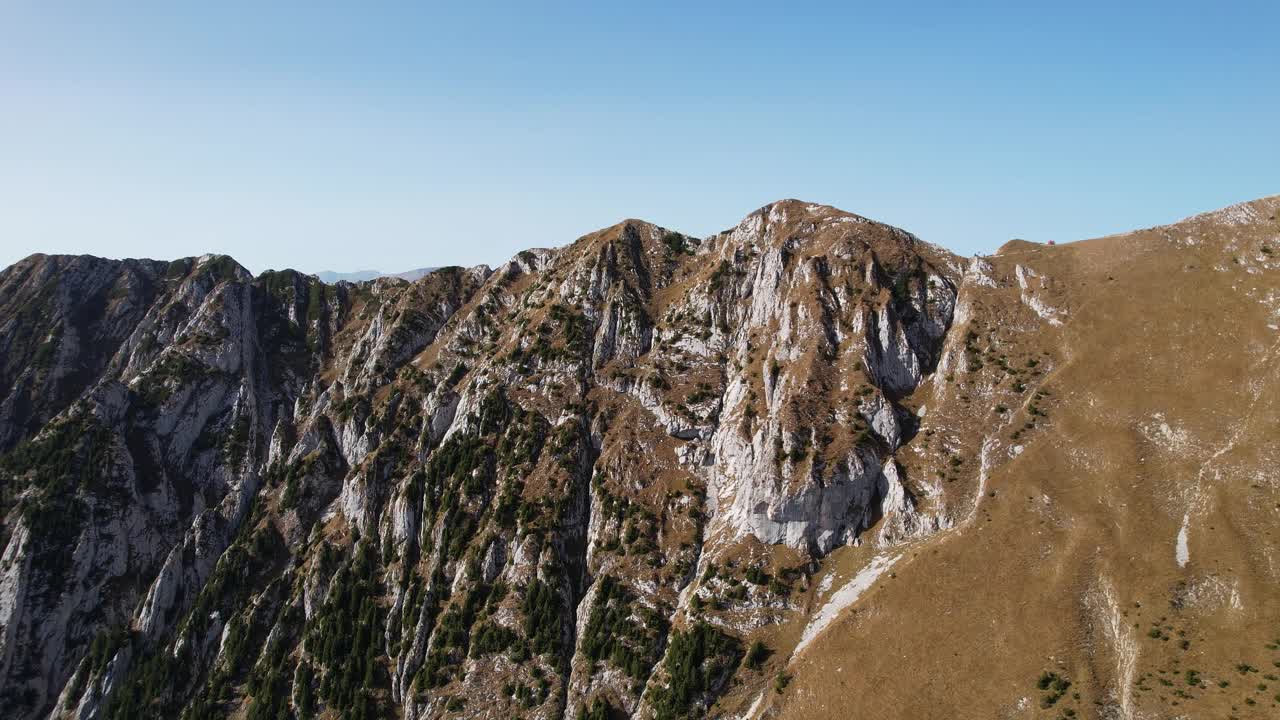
x=409 y=136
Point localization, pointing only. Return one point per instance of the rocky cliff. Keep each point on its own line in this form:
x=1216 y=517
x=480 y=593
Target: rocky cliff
x=642 y=475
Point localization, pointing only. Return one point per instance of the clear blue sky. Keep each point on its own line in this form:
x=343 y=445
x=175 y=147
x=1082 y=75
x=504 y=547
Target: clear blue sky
x=397 y=135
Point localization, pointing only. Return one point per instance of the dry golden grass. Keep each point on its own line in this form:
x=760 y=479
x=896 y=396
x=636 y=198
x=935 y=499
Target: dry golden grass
x=1164 y=404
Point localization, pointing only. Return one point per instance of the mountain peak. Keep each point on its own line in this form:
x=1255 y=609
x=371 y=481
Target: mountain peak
x=647 y=476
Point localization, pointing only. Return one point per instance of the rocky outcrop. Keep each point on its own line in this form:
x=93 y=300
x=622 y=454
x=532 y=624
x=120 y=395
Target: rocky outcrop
x=477 y=492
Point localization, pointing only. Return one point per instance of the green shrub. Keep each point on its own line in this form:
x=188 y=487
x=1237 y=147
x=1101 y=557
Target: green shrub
x=676 y=244
x=600 y=710
x=696 y=665
x=1056 y=686
x=612 y=633
x=542 y=621
x=756 y=655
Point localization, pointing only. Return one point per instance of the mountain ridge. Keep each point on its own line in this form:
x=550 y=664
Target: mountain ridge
x=641 y=474
x=331 y=277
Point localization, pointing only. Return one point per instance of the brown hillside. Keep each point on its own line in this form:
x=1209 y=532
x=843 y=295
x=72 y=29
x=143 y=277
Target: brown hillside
x=1130 y=541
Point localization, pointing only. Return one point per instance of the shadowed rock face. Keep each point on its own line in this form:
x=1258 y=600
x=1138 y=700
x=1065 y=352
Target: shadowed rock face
x=584 y=481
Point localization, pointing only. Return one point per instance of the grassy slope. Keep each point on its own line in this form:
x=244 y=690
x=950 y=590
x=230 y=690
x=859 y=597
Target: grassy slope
x=1166 y=403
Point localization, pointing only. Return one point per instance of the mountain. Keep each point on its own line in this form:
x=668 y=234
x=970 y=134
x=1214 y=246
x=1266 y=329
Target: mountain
x=811 y=466
x=330 y=277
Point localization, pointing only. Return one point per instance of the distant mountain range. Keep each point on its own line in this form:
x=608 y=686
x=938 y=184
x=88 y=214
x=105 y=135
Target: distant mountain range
x=330 y=277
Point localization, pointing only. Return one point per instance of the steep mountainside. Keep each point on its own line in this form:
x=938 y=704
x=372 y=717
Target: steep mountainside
x=1127 y=534
x=809 y=466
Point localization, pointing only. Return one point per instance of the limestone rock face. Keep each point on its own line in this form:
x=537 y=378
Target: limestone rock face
x=203 y=459
x=582 y=482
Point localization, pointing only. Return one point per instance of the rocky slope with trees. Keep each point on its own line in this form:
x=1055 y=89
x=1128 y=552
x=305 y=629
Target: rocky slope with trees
x=642 y=475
